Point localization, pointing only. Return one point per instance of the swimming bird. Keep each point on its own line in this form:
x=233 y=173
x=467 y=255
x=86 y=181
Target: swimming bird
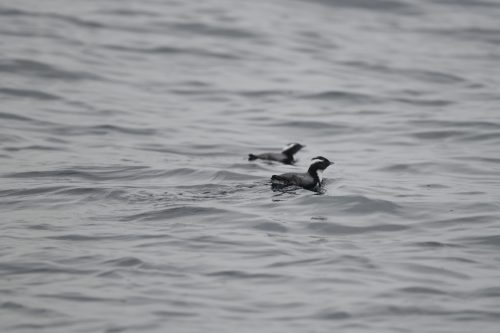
x=308 y=180
x=286 y=155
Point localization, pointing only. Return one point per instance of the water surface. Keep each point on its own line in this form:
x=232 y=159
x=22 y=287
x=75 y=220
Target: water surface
x=128 y=204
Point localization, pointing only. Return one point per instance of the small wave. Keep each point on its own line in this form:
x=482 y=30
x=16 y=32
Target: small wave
x=424 y=102
x=299 y=263
x=16 y=117
x=490 y=240
x=244 y=275
x=486 y=35
x=439 y=271
x=332 y=315
x=173 y=50
x=93 y=173
x=52 y=174
x=342 y=96
x=79 y=238
x=233 y=176
x=358 y=204
x=461 y=315
x=460 y=221
x=492 y=136
x=468 y=3
x=10 y=12
x=34 y=147
x=11 y=116
x=433 y=186
x=40 y=268
x=185 y=172
x=311 y=124
x=125 y=130
x=422 y=290
x=43 y=70
x=27 y=310
x=186 y=150
x=129 y=12
x=492 y=160
x=124 y=262
x=381 y=6
x=89 y=194
x=461 y=130
x=78 y=297
x=433 y=76
x=210 y=30
x=216 y=240
x=59 y=195
x=443 y=134
x=435 y=244
x=335 y=228
x=418 y=74
x=266 y=93
x=104 y=129
x=30 y=191
x=271 y=227
x=60 y=17
x=488 y=292
x=441 y=123
x=45 y=226
x=174 y=212
x=82 y=191
x=28 y=93
x=173 y=314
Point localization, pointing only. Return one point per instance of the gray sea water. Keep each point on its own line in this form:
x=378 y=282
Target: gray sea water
x=127 y=202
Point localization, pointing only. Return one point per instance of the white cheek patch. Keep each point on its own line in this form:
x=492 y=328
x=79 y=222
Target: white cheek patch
x=288 y=147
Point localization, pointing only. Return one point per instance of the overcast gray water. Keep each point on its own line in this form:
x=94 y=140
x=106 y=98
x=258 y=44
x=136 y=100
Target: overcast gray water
x=127 y=202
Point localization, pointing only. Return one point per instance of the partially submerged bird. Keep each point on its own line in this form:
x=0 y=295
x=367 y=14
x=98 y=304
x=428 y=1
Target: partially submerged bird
x=308 y=180
x=286 y=155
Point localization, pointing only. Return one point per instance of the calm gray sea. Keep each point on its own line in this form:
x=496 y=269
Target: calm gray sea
x=127 y=203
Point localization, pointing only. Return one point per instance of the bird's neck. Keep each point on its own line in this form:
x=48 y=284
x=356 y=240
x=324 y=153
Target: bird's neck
x=315 y=173
x=291 y=151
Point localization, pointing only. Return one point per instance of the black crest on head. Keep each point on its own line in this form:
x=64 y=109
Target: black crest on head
x=322 y=159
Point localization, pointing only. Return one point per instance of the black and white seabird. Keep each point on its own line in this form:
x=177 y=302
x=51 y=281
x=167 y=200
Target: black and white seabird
x=286 y=155
x=308 y=180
